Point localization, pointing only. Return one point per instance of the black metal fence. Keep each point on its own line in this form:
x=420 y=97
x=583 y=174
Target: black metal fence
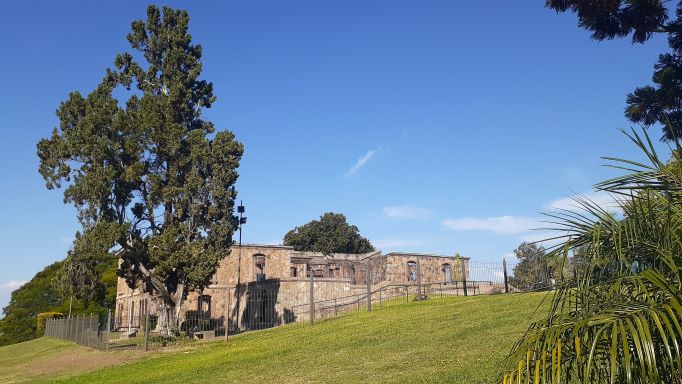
x=87 y=330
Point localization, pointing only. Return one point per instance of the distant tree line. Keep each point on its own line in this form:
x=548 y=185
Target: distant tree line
x=45 y=293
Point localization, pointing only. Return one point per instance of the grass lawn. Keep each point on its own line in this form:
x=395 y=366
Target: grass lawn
x=457 y=340
x=41 y=358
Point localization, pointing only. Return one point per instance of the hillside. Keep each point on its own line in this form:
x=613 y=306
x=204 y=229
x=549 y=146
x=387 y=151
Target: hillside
x=38 y=295
x=45 y=358
x=461 y=340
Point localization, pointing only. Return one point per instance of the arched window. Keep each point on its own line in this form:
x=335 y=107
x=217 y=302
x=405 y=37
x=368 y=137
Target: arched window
x=259 y=267
x=204 y=307
x=119 y=315
x=447 y=273
x=141 y=312
x=411 y=271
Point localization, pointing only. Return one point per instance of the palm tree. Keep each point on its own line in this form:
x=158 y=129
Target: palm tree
x=620 y=319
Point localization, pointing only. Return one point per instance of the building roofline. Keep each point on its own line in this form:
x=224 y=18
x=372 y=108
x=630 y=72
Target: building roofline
x=415 y=254
x=308 y=254
x=263 y=246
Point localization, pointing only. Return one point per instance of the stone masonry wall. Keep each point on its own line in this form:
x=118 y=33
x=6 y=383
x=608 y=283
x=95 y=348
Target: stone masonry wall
x=342 y=278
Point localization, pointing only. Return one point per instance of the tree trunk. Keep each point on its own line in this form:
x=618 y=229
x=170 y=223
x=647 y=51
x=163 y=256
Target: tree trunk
x=169 y=304
x=167 y=324
x=168 y=311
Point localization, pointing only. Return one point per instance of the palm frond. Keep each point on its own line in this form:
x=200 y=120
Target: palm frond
x=620 y=319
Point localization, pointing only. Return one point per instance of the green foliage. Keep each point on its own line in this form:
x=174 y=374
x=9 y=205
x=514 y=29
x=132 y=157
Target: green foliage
x=40 y=295
x=620 y=320
x=81 y=272
x=331 y=234
x=608 y=19
x=536 y=270
x=147 y=174
x=41 y=319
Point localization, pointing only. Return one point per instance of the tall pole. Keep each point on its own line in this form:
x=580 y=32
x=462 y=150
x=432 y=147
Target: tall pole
x=70 y=303
x=506 y=283
x=242 y=220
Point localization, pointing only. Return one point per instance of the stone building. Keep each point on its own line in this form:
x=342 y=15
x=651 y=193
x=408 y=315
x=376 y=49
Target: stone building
x=271 y=284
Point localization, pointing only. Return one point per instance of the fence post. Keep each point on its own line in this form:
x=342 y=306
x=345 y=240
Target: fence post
x=78 y=332
x=464 y=276
x=419 y=280
x=90 y=331
x=312 y=296
x=407 y=293
x=108 y=325
x=506 y=284
x=146 y=329
x=369 y=286
x=227 y=314
x=83 y=333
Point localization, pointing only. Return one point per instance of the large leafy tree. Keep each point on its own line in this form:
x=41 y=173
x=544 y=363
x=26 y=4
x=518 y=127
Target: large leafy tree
x=331 y=234
x=535 y=270
x=620 y=321
x=660 y=103
x=147 y=173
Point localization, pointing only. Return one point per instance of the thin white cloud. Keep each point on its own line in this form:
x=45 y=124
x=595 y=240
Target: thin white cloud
x=600 y=198
x=395 y=243
x=12 y=285
x=505 y=225
x=406 y=212
x=361 y=161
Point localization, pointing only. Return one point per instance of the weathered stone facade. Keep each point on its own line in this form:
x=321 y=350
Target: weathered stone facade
x=273 y=281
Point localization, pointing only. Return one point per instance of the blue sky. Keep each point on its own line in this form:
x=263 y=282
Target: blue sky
x=435 y=126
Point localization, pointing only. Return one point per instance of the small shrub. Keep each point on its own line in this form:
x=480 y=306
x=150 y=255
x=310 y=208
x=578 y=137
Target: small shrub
x=41 y=319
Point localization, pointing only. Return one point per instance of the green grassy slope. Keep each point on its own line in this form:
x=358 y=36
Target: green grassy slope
x=50 y=358
x=458 y=340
